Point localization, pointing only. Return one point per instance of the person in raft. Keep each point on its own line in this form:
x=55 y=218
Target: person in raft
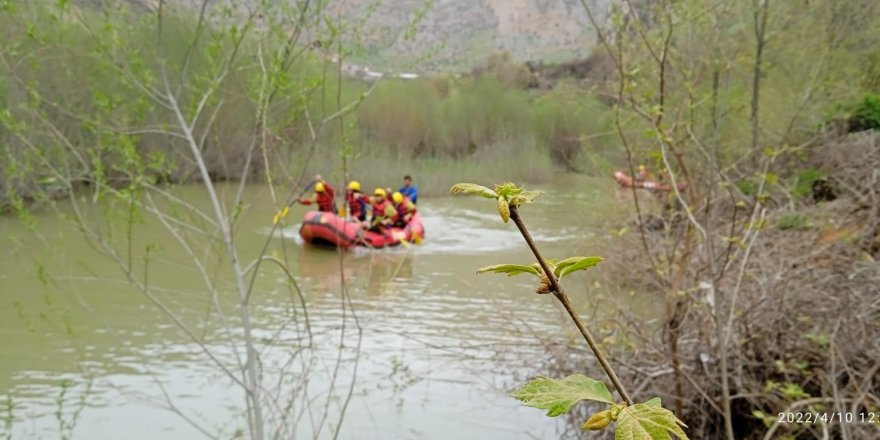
x=409 y=190
x=323 y=196
x=642 y=174
x=383 y=211
x=357 y=201
x=405 y=209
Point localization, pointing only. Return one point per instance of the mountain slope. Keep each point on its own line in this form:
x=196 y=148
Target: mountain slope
x=443 y=33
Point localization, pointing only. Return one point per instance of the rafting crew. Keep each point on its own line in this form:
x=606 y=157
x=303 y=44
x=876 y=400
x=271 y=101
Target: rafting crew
x=388 y=207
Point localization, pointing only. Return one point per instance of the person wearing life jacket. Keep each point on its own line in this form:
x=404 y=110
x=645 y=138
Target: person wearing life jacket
x=357 y=201
x=383 y=211
x=409 y=190
x=323 y=196
x=405 y=209
x=641 y=174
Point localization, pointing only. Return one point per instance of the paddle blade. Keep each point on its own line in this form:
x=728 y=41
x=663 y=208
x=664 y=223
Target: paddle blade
x=401 y=237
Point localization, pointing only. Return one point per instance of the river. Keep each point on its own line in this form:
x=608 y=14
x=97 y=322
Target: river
x=87 y=356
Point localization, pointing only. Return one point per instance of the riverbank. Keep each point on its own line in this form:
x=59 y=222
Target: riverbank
x=116 y=127
x=802 y=300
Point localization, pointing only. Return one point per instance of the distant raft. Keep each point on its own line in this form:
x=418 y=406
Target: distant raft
x=626 y=181
x=328 y=229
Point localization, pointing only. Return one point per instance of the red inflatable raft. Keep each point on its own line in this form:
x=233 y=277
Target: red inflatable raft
x=626 y=181
x=326 y=228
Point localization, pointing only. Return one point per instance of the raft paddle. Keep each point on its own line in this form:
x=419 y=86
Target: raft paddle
x=401 y=237
x=283 y=212
x=301 y=193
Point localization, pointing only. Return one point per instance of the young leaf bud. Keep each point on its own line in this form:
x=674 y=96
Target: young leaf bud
x=598 y=421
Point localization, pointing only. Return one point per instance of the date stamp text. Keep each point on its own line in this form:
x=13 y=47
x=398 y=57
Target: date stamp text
x=811 y=417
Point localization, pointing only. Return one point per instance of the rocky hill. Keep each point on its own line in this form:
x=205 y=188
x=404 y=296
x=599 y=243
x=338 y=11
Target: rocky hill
x=442 y=34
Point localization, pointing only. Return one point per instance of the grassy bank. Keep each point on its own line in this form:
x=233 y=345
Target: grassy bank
x=79 y=91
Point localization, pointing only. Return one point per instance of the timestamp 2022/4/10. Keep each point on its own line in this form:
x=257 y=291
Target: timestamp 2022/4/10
x=809 y=417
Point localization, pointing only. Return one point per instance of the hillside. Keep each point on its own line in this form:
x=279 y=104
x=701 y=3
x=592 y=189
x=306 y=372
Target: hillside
x=459 y=33
x=443 y=35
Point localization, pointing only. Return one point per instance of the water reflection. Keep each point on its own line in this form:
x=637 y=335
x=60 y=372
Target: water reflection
x=378 y=272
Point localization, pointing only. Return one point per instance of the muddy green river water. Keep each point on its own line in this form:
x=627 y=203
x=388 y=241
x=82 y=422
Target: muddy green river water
x=425 y=348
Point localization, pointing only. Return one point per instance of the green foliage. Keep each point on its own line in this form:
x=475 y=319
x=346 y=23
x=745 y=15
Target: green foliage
x=642 y=421
x=514 y=195
x=648 y=421
x=558 y=396
x=792 y=221
x=569 y=123
x=748 y=186
x=803 y=184
x=601 y=419
x=74 y=90
x=561 y=269
x=511 y=269
x=473 y=189
x=765 y=418
x=865 y=115
x=444 y=117
x=573 y=264
x=820 y=339
x=790 y=390
x=504 y=209
x=508 y=194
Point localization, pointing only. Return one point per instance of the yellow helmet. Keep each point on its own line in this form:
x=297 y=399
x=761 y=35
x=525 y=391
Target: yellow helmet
x=379 y=192
x=641 y=167
x=397 y=197
x=319 y=187
x=354 y=185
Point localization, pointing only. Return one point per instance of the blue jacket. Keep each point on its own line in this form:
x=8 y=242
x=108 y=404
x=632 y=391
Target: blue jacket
x=410 y=192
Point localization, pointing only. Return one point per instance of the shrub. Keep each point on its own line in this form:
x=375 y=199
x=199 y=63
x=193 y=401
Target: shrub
x=792 y=221
x=866 y=114
x=568 y=122
x=803 y=184
x=747 y=186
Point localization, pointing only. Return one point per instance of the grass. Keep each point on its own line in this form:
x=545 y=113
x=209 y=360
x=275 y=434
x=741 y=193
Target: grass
x=792 y=222
x=479 y=127
x=376 y=165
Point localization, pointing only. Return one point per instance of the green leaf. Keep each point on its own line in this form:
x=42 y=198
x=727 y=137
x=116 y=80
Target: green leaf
x=573 y=264
x=472 y=188
x=648 y=421
x=525 y=197
x=598 y=421
x=510 y=269
x=764 y=417
x=508 y=190
x=503 y=209
x=558 y=396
